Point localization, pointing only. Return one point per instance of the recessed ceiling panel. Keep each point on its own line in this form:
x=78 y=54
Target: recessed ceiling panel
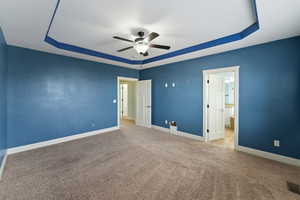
x=91 y=24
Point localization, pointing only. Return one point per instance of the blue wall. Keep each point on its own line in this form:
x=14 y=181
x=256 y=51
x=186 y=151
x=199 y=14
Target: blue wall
x=51 y=96
x=269 y=94
x=3 y=72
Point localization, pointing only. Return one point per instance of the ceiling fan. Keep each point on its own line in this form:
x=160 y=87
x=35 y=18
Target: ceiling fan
x=142 y=44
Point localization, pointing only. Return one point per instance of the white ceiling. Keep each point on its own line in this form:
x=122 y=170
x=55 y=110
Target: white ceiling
x=180 y=24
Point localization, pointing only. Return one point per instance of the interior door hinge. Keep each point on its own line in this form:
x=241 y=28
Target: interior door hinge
x=207 y=81
x=207 y=106
x=207 y=130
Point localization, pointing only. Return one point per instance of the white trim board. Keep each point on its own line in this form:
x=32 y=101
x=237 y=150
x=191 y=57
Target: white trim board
x=160 y=128
x=263 y=154
x=3 y=166
x=179 y=133
x=270 y=156
x=59 y=140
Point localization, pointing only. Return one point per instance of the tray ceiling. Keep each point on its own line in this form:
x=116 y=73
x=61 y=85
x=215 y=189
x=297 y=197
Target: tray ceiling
x=180 y=24
x=91 y=25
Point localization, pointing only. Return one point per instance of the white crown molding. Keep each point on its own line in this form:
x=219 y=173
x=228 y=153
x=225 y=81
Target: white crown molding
x=270 y=156
x=179 y=133
x=3 y=166
x=58 y=140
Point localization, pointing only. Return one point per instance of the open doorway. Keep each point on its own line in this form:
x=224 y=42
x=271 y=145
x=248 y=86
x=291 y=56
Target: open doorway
x=220 y=113
x=134 y=102
x=127 y=101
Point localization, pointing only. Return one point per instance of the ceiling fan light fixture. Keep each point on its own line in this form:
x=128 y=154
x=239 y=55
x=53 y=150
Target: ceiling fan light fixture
x=141 y=47
x=142 y=44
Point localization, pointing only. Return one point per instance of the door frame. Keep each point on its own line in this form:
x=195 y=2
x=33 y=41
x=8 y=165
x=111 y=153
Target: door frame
x=119 y=78
x=206 y=73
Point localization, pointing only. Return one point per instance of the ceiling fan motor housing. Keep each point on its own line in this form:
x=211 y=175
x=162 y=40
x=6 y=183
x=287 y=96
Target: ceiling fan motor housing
x=141 y=33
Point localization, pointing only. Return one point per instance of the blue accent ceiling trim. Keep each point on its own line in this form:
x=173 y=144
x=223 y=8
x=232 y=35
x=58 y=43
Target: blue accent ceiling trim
x=227 y=39
x=220 y=41
x=269 y=94
x=89 y=52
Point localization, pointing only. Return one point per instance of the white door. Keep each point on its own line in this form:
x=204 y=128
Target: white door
x=124 y=100
x=215 y=111
x=143 y=115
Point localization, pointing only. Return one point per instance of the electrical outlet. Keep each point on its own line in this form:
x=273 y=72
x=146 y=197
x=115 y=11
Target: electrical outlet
x=166 y=122
x=276 y=143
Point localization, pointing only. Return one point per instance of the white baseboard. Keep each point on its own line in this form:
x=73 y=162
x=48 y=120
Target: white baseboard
x=264 y=154
x=188 y=135
x=179 y=133
x=3 y=166
x=58 y=140
x=271 y=156
x=160 y=128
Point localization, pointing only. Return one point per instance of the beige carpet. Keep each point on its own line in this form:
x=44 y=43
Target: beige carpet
x=139 y=163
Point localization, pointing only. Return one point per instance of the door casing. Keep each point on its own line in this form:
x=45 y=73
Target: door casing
x=119 y=78
x=206 y=73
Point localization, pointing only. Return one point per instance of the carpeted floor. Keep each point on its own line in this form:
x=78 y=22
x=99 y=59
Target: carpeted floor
x=139 y=163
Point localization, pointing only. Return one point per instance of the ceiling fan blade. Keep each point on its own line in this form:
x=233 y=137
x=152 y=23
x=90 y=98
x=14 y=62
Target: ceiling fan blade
x=120 y=50
x=152 y=36
x=124 y=39
x=160 y=46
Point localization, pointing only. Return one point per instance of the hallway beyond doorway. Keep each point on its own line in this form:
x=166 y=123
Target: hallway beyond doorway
x=227 y=141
